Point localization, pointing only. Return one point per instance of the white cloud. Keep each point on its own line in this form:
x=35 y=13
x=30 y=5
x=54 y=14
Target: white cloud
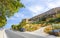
x=51 y=5
x=54 y=4
x=17 y=16
x=12 y=18
x=38 y=6
x=36 y=9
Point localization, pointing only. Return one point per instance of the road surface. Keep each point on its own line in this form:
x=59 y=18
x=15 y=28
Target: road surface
x=17 y=34
x=13 y=34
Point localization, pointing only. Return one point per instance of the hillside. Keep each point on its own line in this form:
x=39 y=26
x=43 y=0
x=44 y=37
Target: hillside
x=49 y=14
x=45 y=19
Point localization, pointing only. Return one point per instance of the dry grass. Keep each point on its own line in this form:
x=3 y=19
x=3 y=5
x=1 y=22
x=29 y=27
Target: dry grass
x=48 y=29
x=32 y=27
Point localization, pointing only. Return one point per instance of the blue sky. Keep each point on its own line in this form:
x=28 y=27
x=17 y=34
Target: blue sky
x=32 y=8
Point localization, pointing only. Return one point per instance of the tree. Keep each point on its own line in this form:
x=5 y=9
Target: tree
x=23 y=23
x=8 y=8
x=14 y=27
x=3 y=21
x=20 y=26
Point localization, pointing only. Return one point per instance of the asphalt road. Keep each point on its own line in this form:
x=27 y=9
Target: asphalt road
x=16 y=34
x=12 y=35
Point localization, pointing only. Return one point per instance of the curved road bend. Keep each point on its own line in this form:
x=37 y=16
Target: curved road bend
x=13 y=34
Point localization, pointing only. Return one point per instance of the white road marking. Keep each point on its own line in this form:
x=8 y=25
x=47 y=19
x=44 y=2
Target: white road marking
x=1 y=33
x=5 y=36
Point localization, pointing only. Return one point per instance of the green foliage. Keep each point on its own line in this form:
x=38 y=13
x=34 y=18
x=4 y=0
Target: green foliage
x=8 y=8
x=23 y=23
x=56 y=26
x=58 y=15
x=20 y=25
x=14 y=27
x=3 y=21
x=49 y=19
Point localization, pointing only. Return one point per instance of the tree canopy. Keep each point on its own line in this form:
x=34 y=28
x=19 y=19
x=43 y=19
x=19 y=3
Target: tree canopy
x=8 y=8
x=3 y=21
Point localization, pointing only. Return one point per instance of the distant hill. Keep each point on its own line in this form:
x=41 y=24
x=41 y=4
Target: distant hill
x=49 y=13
